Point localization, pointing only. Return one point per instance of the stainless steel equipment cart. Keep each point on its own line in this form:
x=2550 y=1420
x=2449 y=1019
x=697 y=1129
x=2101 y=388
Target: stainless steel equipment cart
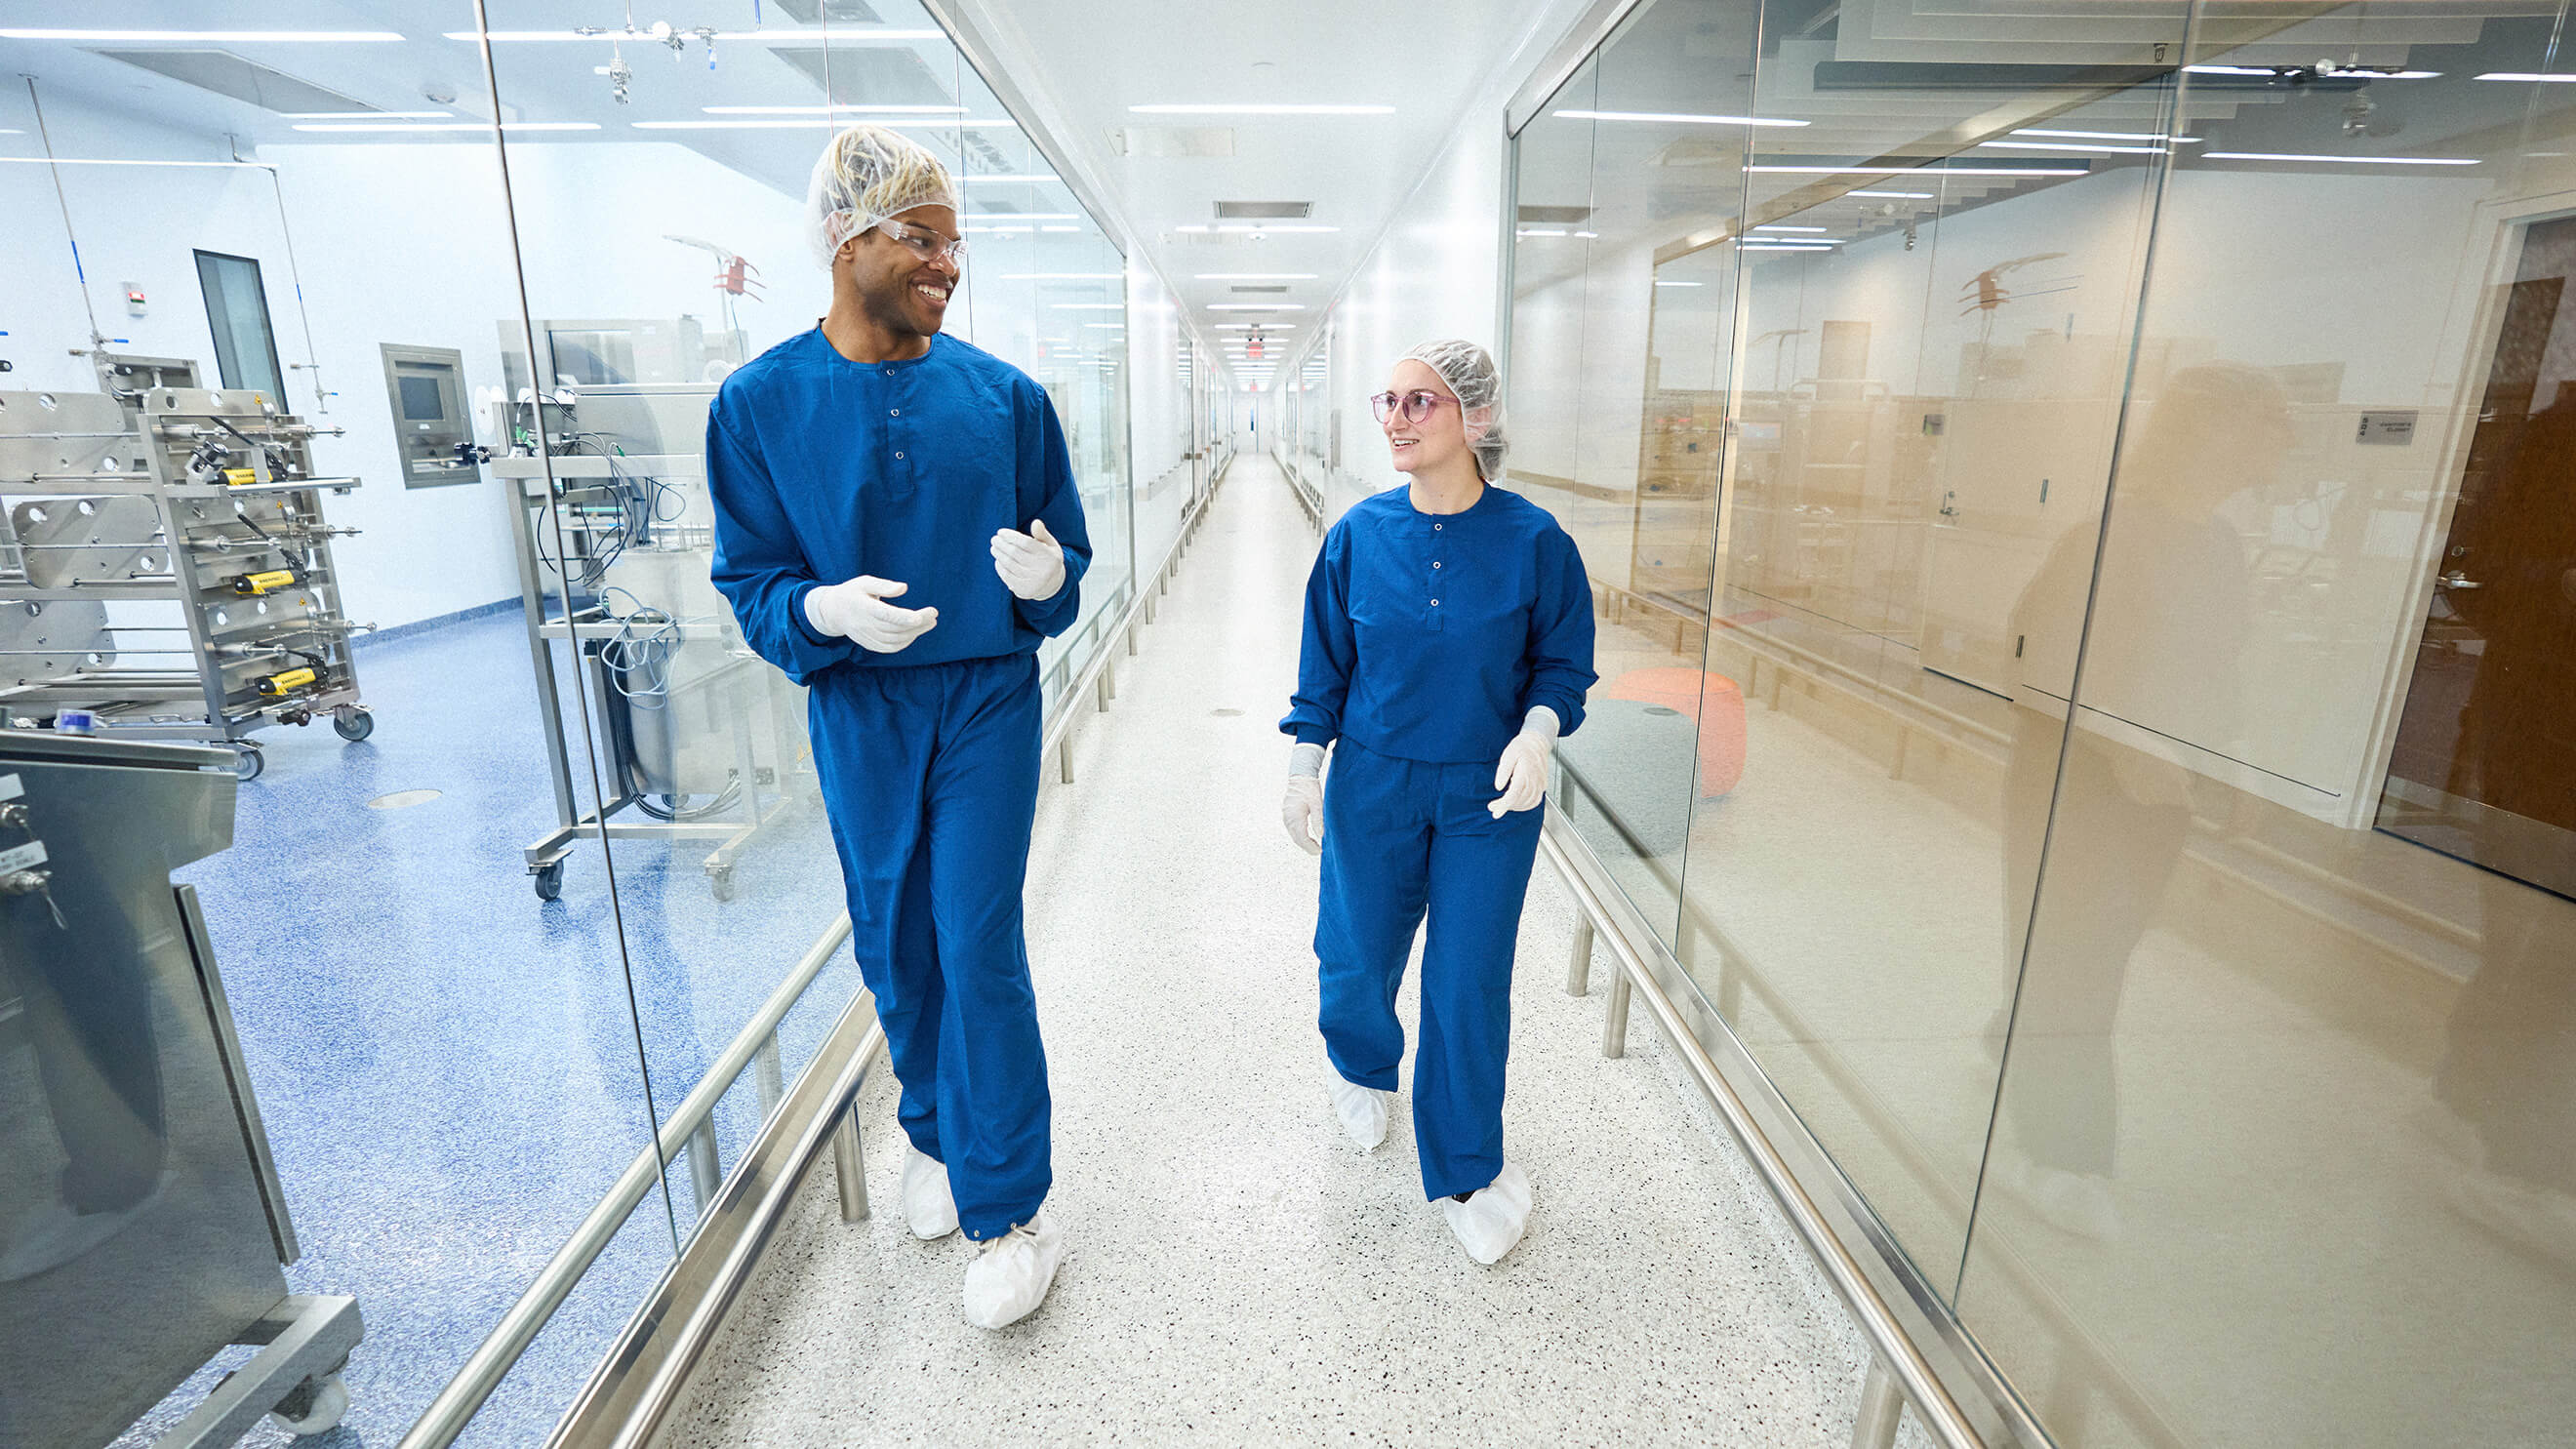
x=165 y=564
x=142 y=1226
x=701 y=739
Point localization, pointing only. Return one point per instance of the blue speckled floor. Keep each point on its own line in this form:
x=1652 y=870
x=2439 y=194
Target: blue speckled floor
x=450 y=1069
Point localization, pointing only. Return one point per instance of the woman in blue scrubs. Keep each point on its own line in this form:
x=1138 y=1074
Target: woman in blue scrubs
x=1448 y=642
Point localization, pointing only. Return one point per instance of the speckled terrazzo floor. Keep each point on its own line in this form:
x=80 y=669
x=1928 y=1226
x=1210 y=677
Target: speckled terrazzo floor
x=1236 y=1272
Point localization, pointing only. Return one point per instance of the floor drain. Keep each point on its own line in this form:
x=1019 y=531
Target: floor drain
x=402 y=799
x=1225 y=713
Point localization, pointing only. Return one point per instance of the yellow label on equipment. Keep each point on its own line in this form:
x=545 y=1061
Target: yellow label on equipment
x=241 y=477
x=262 y=583
x=292 y=679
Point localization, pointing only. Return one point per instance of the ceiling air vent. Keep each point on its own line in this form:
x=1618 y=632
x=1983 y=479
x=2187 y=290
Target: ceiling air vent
x=1555 y=215
x=837 y=12
x=1260 y=289
x=1264 y=210
x=227 y=74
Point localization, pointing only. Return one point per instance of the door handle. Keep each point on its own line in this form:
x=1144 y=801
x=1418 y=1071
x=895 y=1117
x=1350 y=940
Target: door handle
x=2457 y=580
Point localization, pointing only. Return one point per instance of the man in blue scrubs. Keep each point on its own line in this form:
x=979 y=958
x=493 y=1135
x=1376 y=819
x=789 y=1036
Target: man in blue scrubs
x=873 y=459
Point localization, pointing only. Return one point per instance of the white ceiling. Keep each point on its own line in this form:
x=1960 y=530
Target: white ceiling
x=1083 y=65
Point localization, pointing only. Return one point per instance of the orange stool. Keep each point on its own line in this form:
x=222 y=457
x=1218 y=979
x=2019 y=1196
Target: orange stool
x=1711 y=699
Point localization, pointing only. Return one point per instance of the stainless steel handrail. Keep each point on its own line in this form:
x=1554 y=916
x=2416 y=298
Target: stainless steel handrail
x=493 y=1359
x=1894 y=1351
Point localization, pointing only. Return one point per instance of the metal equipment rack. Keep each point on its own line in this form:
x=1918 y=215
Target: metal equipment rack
x=154 y=491
x=575 y=519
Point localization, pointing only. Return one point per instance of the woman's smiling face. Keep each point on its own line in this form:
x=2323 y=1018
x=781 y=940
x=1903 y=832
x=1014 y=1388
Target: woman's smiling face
x=1440 y=437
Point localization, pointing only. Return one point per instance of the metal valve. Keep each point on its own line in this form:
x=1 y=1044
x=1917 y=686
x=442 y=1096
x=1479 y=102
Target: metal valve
x=25 y=882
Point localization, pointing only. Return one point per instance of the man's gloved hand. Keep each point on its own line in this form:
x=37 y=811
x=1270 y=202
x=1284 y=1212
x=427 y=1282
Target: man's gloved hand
x=1522 y=774
x=1032 y=563
x=1303 y=809
x=857 y=611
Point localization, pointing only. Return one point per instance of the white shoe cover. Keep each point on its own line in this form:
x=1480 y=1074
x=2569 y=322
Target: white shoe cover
x=1363 y=1111
x=1010 y=1277
x=1490 y=1222
x=929 y=1209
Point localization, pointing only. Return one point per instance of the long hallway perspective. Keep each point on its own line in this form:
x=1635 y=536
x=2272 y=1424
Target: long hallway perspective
x=1237 y=1272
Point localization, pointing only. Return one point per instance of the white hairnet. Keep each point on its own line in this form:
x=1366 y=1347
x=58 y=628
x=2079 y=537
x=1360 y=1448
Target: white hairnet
x=1470 y=373
x=868 y=174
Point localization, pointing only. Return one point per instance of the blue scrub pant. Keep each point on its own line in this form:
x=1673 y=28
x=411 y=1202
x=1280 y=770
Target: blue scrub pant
x=1401 y=836
x=930 y=775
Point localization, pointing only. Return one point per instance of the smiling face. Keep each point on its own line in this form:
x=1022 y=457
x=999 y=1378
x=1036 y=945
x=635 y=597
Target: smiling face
x=1438 y=442
x=900 y=289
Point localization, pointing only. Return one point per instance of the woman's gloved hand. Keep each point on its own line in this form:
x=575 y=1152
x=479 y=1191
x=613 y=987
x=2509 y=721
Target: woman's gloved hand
x=857 y=611
x=1303 y=808
x=1031 y=564
x=1522 y=774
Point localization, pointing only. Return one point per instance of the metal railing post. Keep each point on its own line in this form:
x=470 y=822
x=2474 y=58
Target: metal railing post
x=1614 y=1027
x=849 y=1167
x=1882 y=1408
x=770 y=1076
x=706 y=1169
x=1064 y=761
x=1578 y=967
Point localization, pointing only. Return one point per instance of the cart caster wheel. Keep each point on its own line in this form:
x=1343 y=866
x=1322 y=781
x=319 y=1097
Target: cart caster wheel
x=324 y=1401
x=353 y=722
x=721 y=881
x=248 y=762
x=548 y=881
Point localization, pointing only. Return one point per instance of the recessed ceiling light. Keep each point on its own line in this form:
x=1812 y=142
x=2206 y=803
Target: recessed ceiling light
x=818 y=123
x=95 y=161
x=2270 y=72
x=1065 y=277
x=1681 y=284
x=2524 y=75
x=212 y=37
x=1899 y=195
x=1677 y=118
x=367 y=115
x=1229 y=109
x=1934 y=170
x=837 y=36
x=1782 y=226
x=1256 y=327
x=2340 y=160
x=348 y=127
x=2102 y=135
x=1239 y=227
x=1258 y=307
x=1786 y=247
x=2089 y=146
x=1256 y=276
x=833 y=110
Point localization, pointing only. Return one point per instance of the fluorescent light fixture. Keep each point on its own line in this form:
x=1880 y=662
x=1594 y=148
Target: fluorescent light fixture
x=1919 y=170
x=507 y=127
x=2103 y=135
x=989 y=230
x=1065 y=277
x=1258 y=307
x=2074 y=146
x=783 y=36
x=1256 y=276
x=1896 y=195
x=1677 y=118
x=997 y=176
x=817 y=123
x=210 y=37
x=1787 y=247
x=1256 y=327
x=1228 y=109
x=2339 y=160
x=97 y=161
x=2274 y=72
x=1239 y=227
x=1015 y=216
x=835 y=110
x=367 y=115
x=2524 y=75
x=1779 y=226
x=1681 y=284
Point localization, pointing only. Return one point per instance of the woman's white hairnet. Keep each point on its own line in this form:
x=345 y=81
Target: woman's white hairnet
x=1470 y=372
x=868 y=174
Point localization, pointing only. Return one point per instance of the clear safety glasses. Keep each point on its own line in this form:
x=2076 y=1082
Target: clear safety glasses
x=1417 y=405
x=926 y=244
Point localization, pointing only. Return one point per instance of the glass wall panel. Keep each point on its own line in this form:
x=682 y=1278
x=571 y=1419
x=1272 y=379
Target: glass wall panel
x=2284 y=1144
x=446 y=1066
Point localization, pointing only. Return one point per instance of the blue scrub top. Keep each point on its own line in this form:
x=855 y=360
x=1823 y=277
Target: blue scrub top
x=1430 y=636
x=822 y=469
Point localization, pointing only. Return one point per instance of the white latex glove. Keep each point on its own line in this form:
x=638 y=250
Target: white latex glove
x=1522 y=774
x=1303 y=808
x=1031 y=563
x=857 y=611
